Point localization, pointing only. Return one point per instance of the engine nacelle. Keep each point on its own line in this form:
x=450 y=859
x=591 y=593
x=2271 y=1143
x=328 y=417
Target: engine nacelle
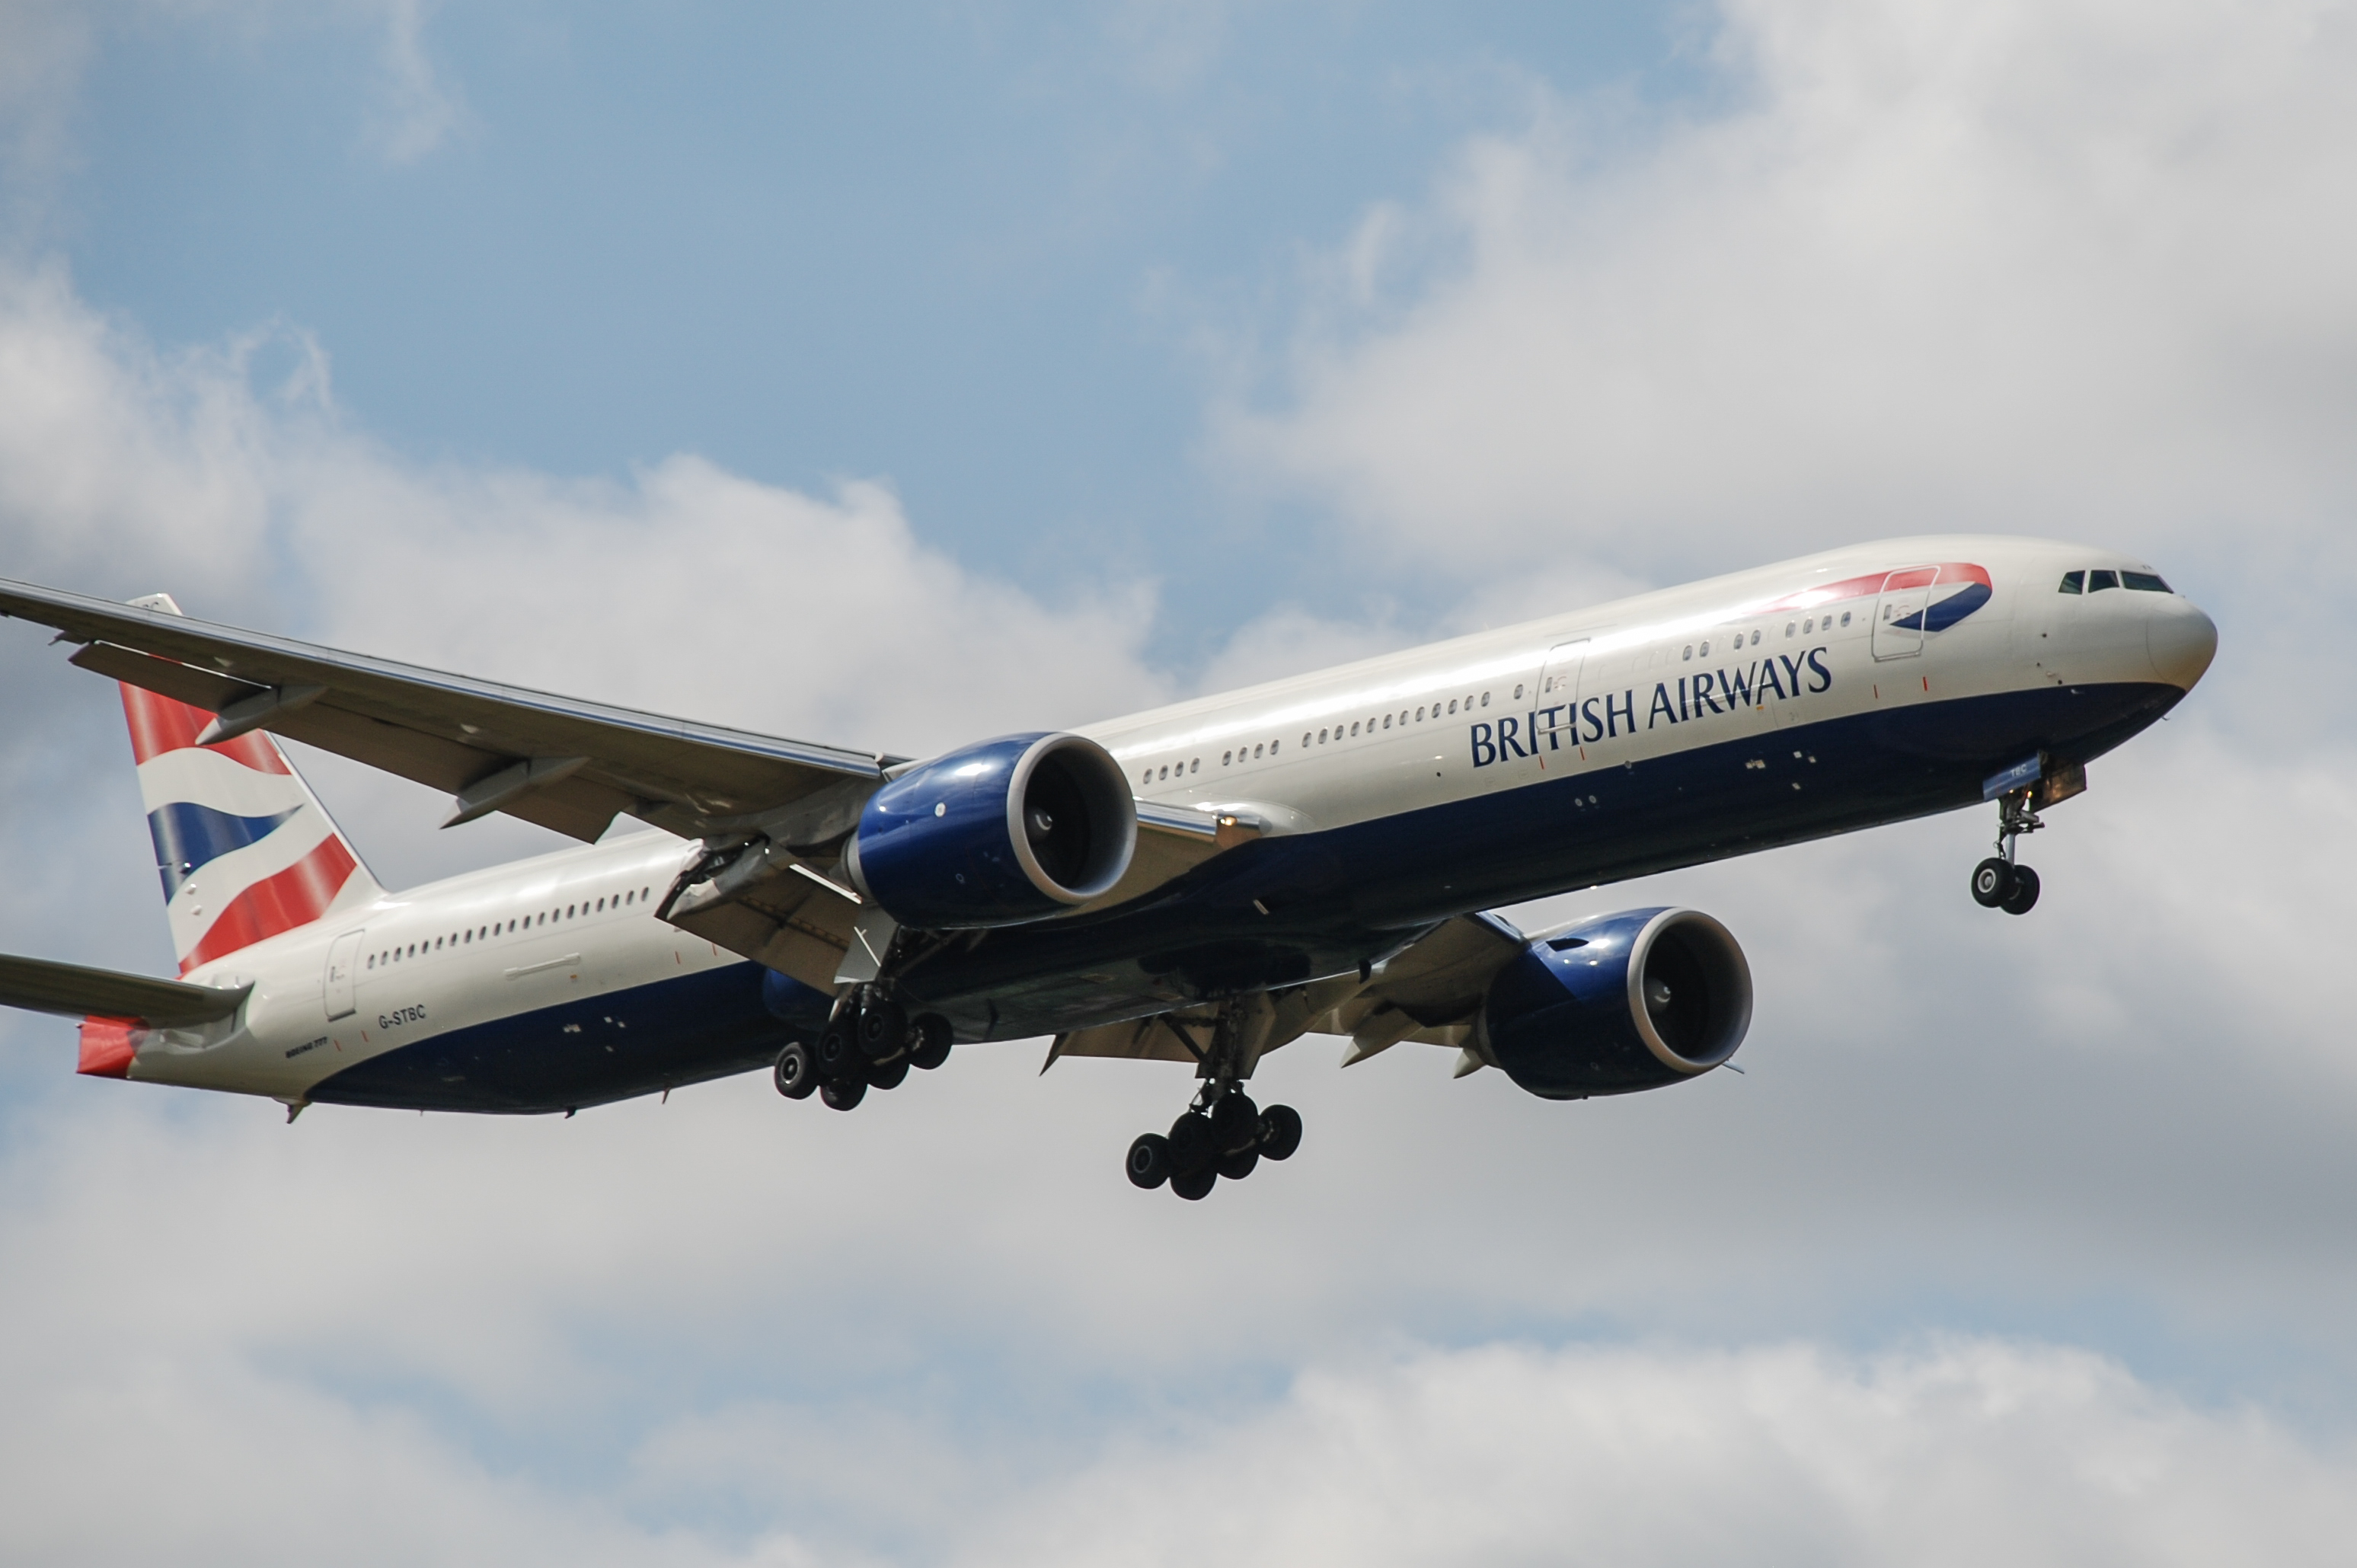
x=997 y=833
x=1619 y=1003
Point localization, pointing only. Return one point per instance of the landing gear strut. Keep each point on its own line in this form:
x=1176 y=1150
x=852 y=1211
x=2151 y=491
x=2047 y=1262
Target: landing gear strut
x=2002 y=882
x=1223 y=1133
x=869 y=1042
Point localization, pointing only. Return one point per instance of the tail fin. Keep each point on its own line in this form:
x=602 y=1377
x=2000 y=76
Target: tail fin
x=245 y=849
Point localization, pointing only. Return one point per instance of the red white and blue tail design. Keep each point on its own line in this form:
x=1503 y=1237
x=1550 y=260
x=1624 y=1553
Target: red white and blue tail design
x=245 y=849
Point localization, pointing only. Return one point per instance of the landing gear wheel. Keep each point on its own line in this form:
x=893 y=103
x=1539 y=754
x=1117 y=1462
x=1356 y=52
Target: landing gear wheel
x=796 y=1074
x=1149 y=1161
x=1992 y=882
x=1194 y=1147
x=1235 y=1122
x=838 y=1052
x=886 y=1075
x=2022 y=897
x=928 y=1041
x=1195 y=1186
x=1235 y=1167
x=1280 y=1131
x=883 y=1029
x=842 y=1095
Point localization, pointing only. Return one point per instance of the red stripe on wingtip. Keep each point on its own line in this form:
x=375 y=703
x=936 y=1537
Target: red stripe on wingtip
x=106 y=1049
x=295 y=897
x=159 y=725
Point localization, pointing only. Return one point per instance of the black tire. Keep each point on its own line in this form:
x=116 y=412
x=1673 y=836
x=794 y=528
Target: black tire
x=1235 y=1122
x=928 y=1041
x=1195 y=1186
x=883 y=1029
x=886 y=1075
x=1235 y=1167
x=1992 y=882
x=1193 y=1146
x=2022 y=897
x=796 y=1074
x=838 y=1052
x=1280 y=1131
x=840 y=1095
x=1149 y=1161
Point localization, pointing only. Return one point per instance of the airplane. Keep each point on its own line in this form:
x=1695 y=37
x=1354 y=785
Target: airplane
x=1200 y=883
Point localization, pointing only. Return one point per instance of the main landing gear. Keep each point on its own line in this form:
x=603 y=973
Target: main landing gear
x=1223 y=1133
x=869 y=1043
x=2002 y=882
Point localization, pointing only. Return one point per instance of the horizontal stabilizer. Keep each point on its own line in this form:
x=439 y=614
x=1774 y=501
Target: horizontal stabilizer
x=74 y=992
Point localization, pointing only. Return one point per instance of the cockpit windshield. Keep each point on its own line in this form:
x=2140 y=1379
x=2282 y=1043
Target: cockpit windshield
x=2096 y=581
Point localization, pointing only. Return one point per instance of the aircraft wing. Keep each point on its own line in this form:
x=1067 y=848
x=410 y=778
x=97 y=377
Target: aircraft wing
x=559 y=761
x=74 y=992
x=1429 y=989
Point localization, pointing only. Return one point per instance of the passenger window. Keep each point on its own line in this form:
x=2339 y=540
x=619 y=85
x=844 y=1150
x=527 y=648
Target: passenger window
x=1485 y=699
x=1354 y=727
x=2070 y=583
x=2098 y=580
x=1845 y=617
x=1321 y=737
x=1788 y=628
x=1257 y=751
x=1387 y=721
x=1224 y=757
x=2143 y=583
x=1689 y=652
x=1452 y=704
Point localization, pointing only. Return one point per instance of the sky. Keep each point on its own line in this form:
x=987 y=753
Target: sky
x=891 y=377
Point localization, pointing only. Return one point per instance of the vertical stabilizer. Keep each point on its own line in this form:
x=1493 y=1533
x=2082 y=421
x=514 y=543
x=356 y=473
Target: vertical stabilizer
x=245 y=849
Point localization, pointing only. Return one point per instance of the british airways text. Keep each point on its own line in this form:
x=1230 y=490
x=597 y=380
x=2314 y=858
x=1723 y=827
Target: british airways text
x=1607 y=716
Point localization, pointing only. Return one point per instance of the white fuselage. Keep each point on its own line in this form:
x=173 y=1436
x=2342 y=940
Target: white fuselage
x=1605 y=687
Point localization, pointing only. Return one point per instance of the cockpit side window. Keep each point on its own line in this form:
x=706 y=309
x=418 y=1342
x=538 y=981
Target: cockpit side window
x=2099 y=580
x=2071 y=581
x=2144 y=582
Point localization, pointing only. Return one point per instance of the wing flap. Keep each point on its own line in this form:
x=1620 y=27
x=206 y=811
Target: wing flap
x=72 y=991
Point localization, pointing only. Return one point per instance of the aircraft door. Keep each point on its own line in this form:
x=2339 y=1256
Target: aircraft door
x=343 y=979
x=1898 y=615
x=1556 y=714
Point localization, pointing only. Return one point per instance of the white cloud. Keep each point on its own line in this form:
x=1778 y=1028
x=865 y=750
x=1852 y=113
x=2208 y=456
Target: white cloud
x=1967 y=1453
x=2074 y=268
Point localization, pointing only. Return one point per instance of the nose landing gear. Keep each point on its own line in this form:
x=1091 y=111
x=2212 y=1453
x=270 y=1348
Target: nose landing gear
x=1223 y=1133
x=2002 y=882
x=870 y=1042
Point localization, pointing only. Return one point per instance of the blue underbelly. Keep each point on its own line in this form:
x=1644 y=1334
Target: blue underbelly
x=604 y=1047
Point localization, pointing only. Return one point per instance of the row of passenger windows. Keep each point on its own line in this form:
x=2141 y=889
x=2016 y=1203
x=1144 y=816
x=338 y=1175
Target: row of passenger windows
x=1804 y=627
x=2102 y=577
x=1318 y=738
x=520 y=923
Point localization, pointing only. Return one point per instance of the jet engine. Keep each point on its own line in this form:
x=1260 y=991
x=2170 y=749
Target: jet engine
x=1619 y=1003
x=997 y=833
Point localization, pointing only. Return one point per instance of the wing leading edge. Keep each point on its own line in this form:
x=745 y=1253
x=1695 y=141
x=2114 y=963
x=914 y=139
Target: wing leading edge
x=562 y=762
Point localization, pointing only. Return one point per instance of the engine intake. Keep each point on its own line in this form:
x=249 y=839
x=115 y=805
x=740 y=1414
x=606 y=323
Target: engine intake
x=1619 y=1003
x=997 y=833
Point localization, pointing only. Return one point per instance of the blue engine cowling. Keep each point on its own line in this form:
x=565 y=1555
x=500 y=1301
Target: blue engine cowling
x=997 y=833
x=1619 y=1003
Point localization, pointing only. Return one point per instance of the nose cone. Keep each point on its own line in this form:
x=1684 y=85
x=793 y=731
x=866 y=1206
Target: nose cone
x=2180 y=640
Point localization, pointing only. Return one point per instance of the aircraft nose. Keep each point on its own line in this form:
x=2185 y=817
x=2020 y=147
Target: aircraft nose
x=2180 y=640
